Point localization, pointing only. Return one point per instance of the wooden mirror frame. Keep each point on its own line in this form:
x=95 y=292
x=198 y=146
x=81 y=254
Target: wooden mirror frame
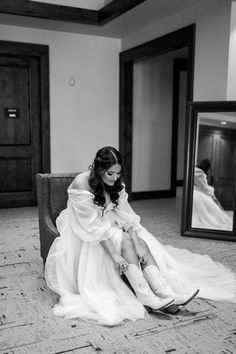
x=190 y=143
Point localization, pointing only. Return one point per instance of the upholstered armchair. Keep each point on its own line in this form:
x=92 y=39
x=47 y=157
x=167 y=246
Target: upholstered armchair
x=52 y=199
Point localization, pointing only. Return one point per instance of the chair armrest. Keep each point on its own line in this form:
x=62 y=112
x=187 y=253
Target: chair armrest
x=47 y=230
x=49 y=224
x=52 y=197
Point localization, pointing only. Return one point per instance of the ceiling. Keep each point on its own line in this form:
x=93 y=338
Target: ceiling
x=83 y=4
x=215 y=119
x=143 y=14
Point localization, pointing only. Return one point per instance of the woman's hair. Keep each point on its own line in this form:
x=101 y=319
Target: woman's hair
x=204 y=165
x=104 y=159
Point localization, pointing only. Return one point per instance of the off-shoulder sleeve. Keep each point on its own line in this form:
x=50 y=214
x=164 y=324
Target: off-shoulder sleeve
x=200 y=181
x=126 y=216
x=84 y=219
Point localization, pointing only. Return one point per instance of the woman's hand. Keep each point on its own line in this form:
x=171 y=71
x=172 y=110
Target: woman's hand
x=120 y=263
x=141 y=253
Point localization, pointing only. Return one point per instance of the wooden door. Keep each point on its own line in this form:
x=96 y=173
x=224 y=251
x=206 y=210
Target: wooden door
x=20 y=129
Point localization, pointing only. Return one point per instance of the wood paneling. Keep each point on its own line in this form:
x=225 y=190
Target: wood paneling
x=24 y=136
x=116 y=8
x=15 y=128
x=179 y=65
x=68 y=13
x=16 y=175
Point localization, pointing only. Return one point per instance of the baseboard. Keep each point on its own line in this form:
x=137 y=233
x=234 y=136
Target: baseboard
x=153 y=194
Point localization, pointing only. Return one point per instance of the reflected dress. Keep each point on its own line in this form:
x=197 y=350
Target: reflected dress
x=83 y=274
x=206 y=213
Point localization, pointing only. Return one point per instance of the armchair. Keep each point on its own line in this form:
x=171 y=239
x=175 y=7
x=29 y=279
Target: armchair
x=52 y=199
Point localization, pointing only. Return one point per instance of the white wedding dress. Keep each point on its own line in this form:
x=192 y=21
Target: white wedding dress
x=206 y=214
x=83 y=274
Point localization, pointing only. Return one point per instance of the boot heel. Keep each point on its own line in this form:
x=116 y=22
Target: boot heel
x=172 y=309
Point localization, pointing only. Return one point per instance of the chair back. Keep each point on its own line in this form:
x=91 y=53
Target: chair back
x=52 y=199
x=56 y=189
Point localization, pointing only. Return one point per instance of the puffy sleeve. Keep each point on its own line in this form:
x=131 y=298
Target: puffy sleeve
x=200 y=181
x=84 y=218
x=126 y=216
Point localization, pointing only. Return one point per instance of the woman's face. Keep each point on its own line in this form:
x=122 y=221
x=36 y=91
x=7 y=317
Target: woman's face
x=111 y=175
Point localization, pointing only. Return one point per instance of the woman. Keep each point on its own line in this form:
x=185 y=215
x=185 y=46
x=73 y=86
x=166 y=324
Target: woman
x=101 y=238
x=207 y=211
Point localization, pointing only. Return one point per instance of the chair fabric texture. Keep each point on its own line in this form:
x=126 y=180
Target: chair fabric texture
x=52 y=199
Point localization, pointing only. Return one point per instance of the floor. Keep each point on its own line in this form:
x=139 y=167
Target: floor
x=27 y=324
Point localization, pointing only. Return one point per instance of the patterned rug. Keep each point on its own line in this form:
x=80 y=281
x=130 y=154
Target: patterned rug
x=27 y=324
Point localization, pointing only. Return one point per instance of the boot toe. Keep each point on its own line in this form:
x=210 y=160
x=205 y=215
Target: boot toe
x=185 y=299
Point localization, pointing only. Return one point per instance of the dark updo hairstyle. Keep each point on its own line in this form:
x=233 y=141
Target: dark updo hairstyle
x=104 y=159
x=204 y=165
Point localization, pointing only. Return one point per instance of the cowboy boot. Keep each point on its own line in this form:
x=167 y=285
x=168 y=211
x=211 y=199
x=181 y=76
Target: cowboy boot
x=142 y=290
x=162 y=288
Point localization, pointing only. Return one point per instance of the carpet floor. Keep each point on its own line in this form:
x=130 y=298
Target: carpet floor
x=27 y=324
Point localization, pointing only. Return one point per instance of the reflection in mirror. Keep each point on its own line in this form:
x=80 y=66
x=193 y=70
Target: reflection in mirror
x=213 y=188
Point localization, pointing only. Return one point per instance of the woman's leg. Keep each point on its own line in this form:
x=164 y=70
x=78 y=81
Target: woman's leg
x=136 y=279
x=130 y=255
x=149 y=257
x=128 y=250
x=159 y=283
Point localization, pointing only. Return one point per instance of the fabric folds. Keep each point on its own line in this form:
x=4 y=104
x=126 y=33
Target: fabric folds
x=83 y=274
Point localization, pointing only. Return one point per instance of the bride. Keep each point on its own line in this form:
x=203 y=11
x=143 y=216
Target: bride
x=207 y=211
x=101 y=238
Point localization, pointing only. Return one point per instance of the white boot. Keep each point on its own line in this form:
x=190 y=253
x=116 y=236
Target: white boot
x=162 y=288
x=142 y=290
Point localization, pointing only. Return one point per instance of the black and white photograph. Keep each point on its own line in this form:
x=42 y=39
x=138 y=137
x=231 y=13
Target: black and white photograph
x=118 y=176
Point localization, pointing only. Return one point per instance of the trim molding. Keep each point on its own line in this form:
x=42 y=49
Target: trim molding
x=180 y=183
x=184 y=37
x=179 y=65
x=68 y=13
x=152 y=194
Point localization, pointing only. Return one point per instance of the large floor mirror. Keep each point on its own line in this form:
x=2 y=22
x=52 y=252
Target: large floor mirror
x=209 y=197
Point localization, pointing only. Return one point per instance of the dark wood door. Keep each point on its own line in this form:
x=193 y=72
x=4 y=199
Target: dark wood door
x=20 y=134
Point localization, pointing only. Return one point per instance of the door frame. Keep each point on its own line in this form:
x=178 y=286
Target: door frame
x=41 y=52
x=184 y=37
x=180 y=64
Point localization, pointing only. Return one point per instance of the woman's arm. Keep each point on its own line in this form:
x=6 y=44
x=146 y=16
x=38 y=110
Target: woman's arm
x=119 y=261
x=200 y=181
x=126 y=216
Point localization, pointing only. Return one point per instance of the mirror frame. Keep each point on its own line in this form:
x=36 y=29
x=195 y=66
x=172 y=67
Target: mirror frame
x=193 y=108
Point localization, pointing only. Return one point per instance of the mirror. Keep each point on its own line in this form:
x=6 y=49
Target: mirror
x=209 y=195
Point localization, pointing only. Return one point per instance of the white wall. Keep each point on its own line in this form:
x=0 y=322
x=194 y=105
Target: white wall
x=231 y=84
x=83 y=117
x=212 y=20
x=152 y=120
x=152 y=123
